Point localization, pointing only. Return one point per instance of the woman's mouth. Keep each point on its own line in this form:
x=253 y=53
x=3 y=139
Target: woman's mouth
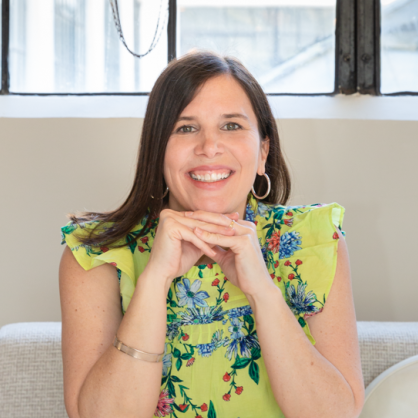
x=210 y=176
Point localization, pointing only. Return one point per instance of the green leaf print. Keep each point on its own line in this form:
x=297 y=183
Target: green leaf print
x=179 y=363
x=254 y=372
x=186 y=356
x=68 y=229
x=176 y=379
x=171 y=389
x=171 y=317
x=241 y=363
x=211 y=413
x=176 y=353
x=255 y=353
x=249 y=319
x=302 y=322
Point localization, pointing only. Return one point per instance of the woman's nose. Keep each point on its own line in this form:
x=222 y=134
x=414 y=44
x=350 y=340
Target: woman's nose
x=209 y=144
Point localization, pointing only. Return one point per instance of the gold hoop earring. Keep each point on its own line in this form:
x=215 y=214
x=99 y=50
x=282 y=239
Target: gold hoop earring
x=163 y=196
x=268 y=188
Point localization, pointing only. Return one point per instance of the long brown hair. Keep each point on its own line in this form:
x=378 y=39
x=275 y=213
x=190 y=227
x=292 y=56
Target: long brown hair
x=174 y=89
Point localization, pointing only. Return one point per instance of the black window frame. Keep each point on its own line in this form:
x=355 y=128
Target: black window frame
x=357 y=52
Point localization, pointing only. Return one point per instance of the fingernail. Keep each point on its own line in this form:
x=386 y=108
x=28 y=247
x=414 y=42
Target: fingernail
x=189 y=213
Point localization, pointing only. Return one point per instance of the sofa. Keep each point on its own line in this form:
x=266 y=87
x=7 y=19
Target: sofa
x=31 y=379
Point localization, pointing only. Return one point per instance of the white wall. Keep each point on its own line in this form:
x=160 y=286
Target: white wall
x=49 y=167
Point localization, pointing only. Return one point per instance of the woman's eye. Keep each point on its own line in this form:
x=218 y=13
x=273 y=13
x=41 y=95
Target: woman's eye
x=232 y=124
x=185 y=129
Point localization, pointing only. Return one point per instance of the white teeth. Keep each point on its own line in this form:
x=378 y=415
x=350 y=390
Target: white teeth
x=210 y=178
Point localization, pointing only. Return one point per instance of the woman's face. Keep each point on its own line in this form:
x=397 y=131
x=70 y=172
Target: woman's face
x=215 y=150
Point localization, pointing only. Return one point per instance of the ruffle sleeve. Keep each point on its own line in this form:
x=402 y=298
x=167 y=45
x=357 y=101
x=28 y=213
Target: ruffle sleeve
x=308 y=257
x=93 y=256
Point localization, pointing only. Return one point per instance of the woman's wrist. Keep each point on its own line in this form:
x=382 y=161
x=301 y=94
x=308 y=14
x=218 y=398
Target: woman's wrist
x=264 y=292
x=155 y=278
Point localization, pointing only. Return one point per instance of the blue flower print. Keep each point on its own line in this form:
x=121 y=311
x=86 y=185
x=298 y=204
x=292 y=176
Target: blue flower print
x=263 y=209
x=235 y=328
x=289 y=243
x=172 y=330
x=189 y=295
x=264 y=252
x=205 y=350
x=240 y=311
x=244 y=344
x=166 y=361
x=249 y=213
x=299 y=302
x=206 y=315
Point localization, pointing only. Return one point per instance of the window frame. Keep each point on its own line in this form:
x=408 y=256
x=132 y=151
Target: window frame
x=357 y=52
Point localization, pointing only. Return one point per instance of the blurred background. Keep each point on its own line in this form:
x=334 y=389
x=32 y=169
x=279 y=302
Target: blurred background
x=57 y=50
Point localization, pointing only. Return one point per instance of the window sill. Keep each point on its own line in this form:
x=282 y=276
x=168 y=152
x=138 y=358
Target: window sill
x=356 y=106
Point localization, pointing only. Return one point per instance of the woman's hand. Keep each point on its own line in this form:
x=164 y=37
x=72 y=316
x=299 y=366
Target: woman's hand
x=176 y=248
x=243 y=263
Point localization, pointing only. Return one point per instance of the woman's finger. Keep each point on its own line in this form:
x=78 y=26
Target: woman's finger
x=218 y=239
x=189 y=236
x=214 y=218
x=207 y=226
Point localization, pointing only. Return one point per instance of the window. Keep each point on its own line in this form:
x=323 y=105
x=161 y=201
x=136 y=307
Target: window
x=301 y=47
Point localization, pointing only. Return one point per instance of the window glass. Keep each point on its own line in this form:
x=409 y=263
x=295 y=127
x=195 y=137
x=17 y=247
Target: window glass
x=72 y=46
x=289 y=45
x=399 y=46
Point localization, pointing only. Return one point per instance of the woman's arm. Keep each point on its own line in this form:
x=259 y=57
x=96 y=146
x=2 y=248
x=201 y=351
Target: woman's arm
x=99 y=380
x=324 y=380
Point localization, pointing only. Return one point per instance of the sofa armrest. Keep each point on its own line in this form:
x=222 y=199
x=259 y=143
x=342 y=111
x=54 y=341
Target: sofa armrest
x=383 y=344
x=31 y=378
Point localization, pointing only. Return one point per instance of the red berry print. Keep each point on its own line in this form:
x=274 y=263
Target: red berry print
x=288 y=222
x=210 y=266
x=190 y=362
x=183 y=407
x=141 y=249
x=287 y=263
x=291 y=276
x=203 y=407
x=226 y=397
x=276 y=264
x=226 y=377
x=113 y=264
x=272 y=276
x=279 y=279
x=216 y=274
x=289 y=213
x=226 y=297
x=335 y=236
x=144 y=240
x=104 y=249
x=185 y=337
x=298 y=262
x=239 y=390
x=198 y=416
x=226 y=279
x=255 y=223
x=215 y=282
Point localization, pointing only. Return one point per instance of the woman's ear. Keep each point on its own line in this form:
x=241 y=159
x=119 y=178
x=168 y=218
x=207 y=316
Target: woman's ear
x=264 y=152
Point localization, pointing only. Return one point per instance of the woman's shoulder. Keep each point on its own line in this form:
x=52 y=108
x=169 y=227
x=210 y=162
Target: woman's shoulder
x=315 y=216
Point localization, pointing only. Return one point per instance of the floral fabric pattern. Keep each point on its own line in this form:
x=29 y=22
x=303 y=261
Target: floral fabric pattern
x=213 y=363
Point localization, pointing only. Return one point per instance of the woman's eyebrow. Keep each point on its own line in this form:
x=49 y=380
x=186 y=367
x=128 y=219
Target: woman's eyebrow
x=225 y=115
x=235 y=115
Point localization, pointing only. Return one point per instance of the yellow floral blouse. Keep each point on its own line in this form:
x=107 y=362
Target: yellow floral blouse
x=213 y=364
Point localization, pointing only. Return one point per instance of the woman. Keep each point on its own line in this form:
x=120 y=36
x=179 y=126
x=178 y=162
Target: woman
x=224 y=290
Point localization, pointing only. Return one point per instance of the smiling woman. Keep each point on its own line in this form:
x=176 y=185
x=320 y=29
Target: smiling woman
x=204 y=278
